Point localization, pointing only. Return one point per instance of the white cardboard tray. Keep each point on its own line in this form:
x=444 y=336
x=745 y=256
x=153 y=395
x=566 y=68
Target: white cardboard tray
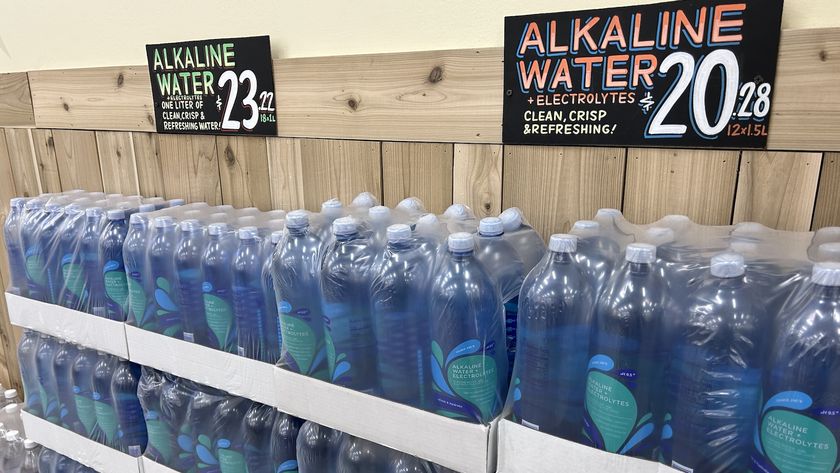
x=78 y=327
x=235 y=374
x=70 y=444
x=150 y=466
x=462 y=446
x=524 y=450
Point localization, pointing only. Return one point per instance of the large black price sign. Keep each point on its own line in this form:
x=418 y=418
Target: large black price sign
x=689 y=73
x=216 y=86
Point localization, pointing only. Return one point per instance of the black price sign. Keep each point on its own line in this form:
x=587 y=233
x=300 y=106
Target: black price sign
x=217 y=86
x=689 y=73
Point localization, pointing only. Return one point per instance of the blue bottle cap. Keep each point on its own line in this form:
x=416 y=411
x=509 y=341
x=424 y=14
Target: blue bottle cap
x=17 y=202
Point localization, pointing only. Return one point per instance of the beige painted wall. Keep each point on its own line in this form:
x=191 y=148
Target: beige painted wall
x=54 y=34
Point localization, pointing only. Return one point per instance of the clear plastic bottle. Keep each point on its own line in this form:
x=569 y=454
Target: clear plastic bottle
x=163 y=309
x=136 y=269
x=26 y=352
x=161 y=438
x=399 y=303
x=626 y=365
x=30 y=457
x=283 y=443
x=348 y=325
x=49 y=237
x=228 y=434
x=63 y=361
x=113 y=265
x=216 y=264
x=11 y=418
x=188 y=255
x=46 y=378
x=73 y=290
x=469 y=360
x=399 y=462
x=460 y=218
x=11 y=396
x=14 y=454
x=175 y=397
x=257 y=426
x=797 y=426
x=597 y=253
x=527 y=242
x=357 y=455
x=273 y=326
x=82 y=374
x=317 y=448
x=94 y=295
x=409 y=209
x=14 y=246
x=364 y=201
x=46 y=460
x=296 y=273
x=132 y=436
x=105 y=431
x=555 y=317
x=255 y=339
x=331 y=210
x=33 y=217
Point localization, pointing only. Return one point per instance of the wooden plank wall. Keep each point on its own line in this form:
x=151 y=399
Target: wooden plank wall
x=425 y=124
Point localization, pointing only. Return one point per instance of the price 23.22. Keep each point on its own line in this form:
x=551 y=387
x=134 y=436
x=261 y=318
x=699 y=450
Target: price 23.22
x=230 y=82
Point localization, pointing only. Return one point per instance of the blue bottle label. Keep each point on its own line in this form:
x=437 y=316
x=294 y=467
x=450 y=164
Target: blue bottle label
x=288 y=466
x=466 y=382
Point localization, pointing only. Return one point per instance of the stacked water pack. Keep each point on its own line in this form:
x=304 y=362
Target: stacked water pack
x=710 y=349
x=43 y=460
x=91 y=393
x=404 y=304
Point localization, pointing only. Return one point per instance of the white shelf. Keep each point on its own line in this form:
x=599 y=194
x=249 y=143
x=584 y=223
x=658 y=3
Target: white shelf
x=70 y=444
x=524 y=450
x=71 y=325
x=461 y=446
x=150 y=466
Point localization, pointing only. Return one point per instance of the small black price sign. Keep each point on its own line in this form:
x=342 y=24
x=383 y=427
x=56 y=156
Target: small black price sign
x=695 y=73
x=216 y=86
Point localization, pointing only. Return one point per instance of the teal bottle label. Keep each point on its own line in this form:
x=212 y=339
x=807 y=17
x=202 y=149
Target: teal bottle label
x=466 y=382
x=74 y=280
x=136 y=297
x=106 y=417
x=792 y=438
x=614 y=421
x=35 y=268
x=300 y=341
x=219 y=315
x=160 y=438
x=85 y=410
x=165 y=323
x=230 y=461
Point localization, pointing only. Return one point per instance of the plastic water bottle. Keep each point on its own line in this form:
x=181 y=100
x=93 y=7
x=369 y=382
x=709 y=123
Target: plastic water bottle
x=72 y=292
x=160 y=436
x=174 y=401
x=357 y=455
x=33 y=216
x=200 y=421
x=798 y=427
x=317 y=448
x=14 y=246
x=49 y=238
x=14 y=453
x=64 y=465
x=501 y=260
x=283 y=443
x=113 y=272
x=364 y=201
x=30 y=456
x=228 y=434
x=259 y=421
x=523 y=237
x=27 y=350
x=596 y=252
x=46 y=378
x=254 y=340
x=401 y=317
x=82 y=374
x=379 y=218
x=614 y=225
x=555 y=316
x=269 y=295
x=348 y=325
x=431 y=234
x=81 y=468
x=400 y=462
x=715 y=376
x=626 y=363
x=11 y=418
x=410 y=209
x=46 y=460
x=10 y=396
x=63 y=361
x=105 y=431
x=469 y=360
x=331 y=210
x=131 y=428
x=216 y=266
x=460 y=218
x=94 y=301
x=188 y=254
x=164 y=316
x=136 y=268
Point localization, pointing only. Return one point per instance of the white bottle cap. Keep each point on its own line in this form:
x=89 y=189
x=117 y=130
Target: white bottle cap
x=344 y=226
x=829 y=252
x=491 y=226
x=826 y=274
x=11 y=435
x=29 y=444
x=608 y=213
x=17 y=201
x=511 y=218
x=190 y=225
x=827 y=234
x=411 y=205
x=676 y=221
x=586 y=228
x=659 y=235
x=164 y=222
x=365 y=200
x=331 y=206
x=428 y=220
x=748 y=228
x=137 y=220
x=297 y=219
x=378 y=213
x=246 y=221
x=12 y=408
x=460 y=242
x=146 y=208
x=276 y=236
x=458 y=212
x=728 y=265
x=640 y=253
x=116 y=214
x=10 y=393
x=217 y=228
x=563 y=243
x=398 y=232
x=247 y=233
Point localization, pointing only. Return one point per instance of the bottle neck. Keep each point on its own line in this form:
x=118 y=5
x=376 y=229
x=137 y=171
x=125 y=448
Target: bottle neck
x=640 y=269
x=298 y=231
x=562 y=257
x=461 y=255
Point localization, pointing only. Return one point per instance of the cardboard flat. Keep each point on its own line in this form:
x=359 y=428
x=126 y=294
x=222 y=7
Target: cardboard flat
x=74 y=326
x=524 y=450
x=95 y=455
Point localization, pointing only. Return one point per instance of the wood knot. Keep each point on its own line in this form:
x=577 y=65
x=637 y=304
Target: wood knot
x=353 y=104
x=119 y=154
x=120 y=79
x=487 y=207
x=823 y=55
x=50 y=142
x=436 y=75
x=66 y=106
x=150 y=118
x=230 y=158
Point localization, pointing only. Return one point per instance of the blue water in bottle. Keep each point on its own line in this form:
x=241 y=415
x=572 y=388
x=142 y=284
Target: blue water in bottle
x=296 y=274
x=188 y=255
x=357 y=455
x=113 y=265
x=49 y=239
x=217 y=265
x=259 y=420
x=14 y=246
x=469 y=360
x=627 y=359
x=131 y=427
x=46 y=378
x=399 y=300
x=63 y=361
x=136 y=268
x=200 y=419
x=255 y=340
x=105 y=431
x=27 y=350
x=799 y=422
x=82 y=374
x=317 y=448
x=72 y=293
x=283 y=443
x=555 y=316
x=228 y=434
x=94 y=298
x=162 y=312
x=715 y=376
x=36 y=279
